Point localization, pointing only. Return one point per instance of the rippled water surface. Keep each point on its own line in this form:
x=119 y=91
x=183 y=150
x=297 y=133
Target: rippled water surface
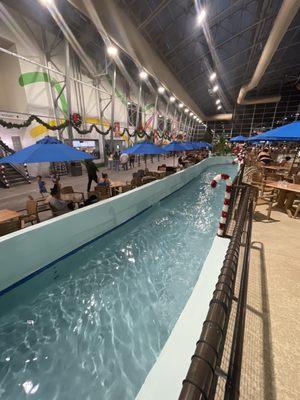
x=92 y=326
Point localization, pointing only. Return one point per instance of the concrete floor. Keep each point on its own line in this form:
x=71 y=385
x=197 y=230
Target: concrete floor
x=271 y=361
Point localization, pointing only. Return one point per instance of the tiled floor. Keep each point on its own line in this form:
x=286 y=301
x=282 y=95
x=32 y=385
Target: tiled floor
x=271 y=358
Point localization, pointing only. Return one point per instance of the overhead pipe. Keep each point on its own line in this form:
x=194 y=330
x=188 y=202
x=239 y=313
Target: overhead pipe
x=281 y=24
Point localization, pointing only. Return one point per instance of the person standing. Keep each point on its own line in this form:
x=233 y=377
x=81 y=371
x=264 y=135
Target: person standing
x=91 y=168
x=131 y=160
x=117 y=161
x=110 y=160
x=124 y=161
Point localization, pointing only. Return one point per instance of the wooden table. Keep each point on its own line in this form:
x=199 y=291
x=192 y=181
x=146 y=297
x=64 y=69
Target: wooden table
x=115 y=186
x=285 y=187
x=6 y=215
x=159 y=174
x=276 y=168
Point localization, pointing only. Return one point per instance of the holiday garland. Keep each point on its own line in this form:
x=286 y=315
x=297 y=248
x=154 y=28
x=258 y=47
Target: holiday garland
x=75 y=122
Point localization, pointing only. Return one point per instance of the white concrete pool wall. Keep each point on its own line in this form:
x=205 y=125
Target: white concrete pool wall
x=164 y=381
x=27 y=251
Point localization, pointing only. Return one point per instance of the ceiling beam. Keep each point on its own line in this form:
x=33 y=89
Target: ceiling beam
x=163 y=4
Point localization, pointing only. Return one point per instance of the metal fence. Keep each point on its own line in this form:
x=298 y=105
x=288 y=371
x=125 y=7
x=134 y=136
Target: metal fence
x=204 y=371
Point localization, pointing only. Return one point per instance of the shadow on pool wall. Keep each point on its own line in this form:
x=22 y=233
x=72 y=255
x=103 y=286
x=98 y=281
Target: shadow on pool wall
x=35 y=248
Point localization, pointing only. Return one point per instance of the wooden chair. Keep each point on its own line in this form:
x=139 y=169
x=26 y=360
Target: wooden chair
x=31 y=210
x=296 y=178
x=273 y=177
x=148 y=179
x=55 y=212
x=102 y=192
x=126 y=188
x=10 y=226
x=67 y=193
x=136 y=181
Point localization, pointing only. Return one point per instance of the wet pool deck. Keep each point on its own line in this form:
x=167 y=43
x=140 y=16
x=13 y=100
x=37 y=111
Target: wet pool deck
x=272 y=339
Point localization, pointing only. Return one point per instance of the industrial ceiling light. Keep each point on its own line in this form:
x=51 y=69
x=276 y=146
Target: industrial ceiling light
x=186 y=110
x=46 y=2
x=218 y=101
x=215 y=88
x=201 y=16
x=219 y=107
x=194 y=117
x=161 y=90
x=143 y=75
x=191 y=114
x=172 y=99
x=112 y=51
x=181 y=105
x=213 y=76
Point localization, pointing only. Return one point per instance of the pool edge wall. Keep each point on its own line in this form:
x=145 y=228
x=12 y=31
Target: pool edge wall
x=29 y=251
x=164 y=381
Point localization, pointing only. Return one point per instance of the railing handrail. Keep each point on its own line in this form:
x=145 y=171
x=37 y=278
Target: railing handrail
x=235 y=364
x=200 y=381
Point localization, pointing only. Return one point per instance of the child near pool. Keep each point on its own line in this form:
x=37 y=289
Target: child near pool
x=42 y=186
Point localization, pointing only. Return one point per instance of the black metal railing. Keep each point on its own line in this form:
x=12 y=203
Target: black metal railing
x=202 y=377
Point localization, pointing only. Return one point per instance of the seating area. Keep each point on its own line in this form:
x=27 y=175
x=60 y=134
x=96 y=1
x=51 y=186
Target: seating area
x=277 y=184
x=37 y=208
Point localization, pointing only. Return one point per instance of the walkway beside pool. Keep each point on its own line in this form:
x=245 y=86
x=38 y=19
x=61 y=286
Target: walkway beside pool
x=272 y=333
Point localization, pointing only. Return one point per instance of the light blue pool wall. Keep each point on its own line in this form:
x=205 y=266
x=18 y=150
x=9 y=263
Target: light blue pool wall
x=25 y=252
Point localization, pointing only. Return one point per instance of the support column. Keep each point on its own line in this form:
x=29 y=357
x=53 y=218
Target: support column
x=180 y=119
x=166 y=116
x=188 y=129
x=174 y=116
x=251 y=127
x=184 y=125
x=154 y=122
x=68 y=87
x=138 y=112
x=113 y=97
x=52 y=94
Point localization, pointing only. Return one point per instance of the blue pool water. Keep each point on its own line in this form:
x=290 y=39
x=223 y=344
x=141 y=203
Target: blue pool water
x=92 y=326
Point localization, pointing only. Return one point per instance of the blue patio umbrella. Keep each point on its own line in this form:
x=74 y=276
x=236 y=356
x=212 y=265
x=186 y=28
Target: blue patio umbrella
x=47 y=149
x=285 y=133
x=238 y=139
x=174 y=146
x=188 y=146
x=145 y=148
x=206 y=145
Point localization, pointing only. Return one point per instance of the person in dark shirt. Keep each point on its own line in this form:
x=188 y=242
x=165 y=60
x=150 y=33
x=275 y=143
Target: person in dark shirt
x=92 y=169
x=117 y=161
